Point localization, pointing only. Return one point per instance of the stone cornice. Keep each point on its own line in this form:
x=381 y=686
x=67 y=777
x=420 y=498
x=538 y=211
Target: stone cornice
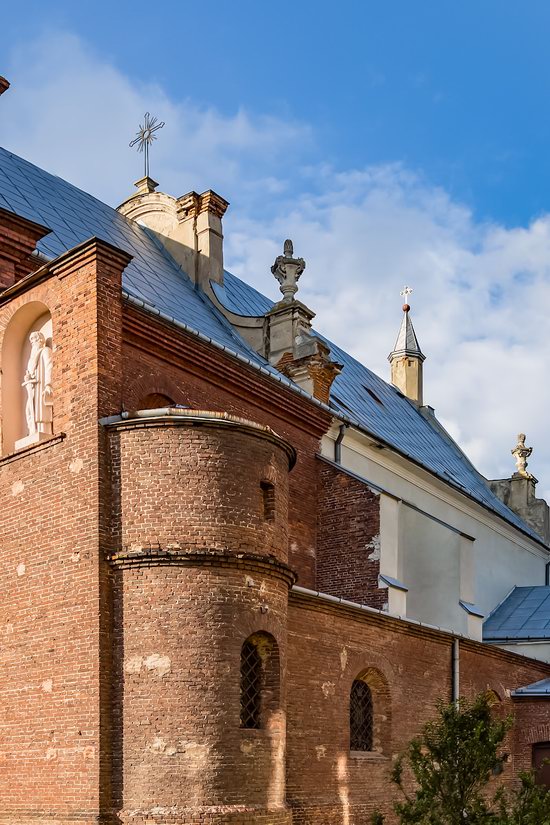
x=181 y=417
x=61 y=266
x=185 y=350
x=192 y=557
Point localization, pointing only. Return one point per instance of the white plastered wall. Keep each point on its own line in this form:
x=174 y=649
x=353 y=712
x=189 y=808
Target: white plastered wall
x=471 y=555
x=535 y=650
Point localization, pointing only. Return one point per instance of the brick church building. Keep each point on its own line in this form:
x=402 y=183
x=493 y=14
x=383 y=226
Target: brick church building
x=238 y=568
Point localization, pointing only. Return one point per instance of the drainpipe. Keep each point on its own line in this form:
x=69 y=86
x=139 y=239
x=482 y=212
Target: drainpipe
x=338 y=443
x=455 y=673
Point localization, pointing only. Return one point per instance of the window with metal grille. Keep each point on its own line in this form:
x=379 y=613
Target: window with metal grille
x=361 y=717
x=251 y=685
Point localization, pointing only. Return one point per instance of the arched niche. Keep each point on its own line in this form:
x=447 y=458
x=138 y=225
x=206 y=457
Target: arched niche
x=16 y=350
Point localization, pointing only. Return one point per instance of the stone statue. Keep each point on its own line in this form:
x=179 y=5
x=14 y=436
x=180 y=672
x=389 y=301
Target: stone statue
x=38 y=384
x=521 y=453
x=287 y=269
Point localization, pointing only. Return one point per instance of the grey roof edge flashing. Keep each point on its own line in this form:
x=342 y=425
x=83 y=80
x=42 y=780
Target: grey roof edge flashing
x=452 y=634
x=412 y=353
x=153 y=310
x=536 y=690
x=501 y=602
x=389 y=581
x=377 y=488
x=493 y=639
x=327 y=597
x=471 y=609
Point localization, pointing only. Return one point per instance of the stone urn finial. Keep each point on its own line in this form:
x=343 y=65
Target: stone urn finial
x=287 y=269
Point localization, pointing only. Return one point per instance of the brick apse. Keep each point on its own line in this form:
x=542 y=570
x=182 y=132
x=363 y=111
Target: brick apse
x=162 y=551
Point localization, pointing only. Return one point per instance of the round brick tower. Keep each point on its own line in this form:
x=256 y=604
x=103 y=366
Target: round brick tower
x=200 y=603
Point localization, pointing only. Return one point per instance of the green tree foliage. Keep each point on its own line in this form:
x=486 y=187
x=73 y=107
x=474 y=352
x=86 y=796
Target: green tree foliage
x=450 y=765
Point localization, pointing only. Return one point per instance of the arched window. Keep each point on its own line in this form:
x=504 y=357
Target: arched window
x=370 y=713
x=259 y=675
x=155 y=401
x=361 y=717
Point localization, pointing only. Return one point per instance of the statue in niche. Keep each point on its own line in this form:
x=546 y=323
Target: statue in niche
x=38 y=385
x=521 y=453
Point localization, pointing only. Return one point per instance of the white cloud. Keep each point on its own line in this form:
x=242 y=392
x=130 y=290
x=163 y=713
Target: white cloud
x=481 y=291
x=74 y=114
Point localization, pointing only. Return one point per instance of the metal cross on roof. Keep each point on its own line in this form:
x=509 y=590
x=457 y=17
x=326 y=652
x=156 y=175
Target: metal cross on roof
x=405 y=292
x=145 y=136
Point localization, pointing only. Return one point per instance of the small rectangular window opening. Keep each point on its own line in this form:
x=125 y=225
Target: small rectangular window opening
x=268 y=500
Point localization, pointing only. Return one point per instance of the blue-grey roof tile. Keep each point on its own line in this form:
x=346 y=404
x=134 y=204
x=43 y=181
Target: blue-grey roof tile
x=388 y=415
x=540 y=688
x=524 y=614
x=154 y=277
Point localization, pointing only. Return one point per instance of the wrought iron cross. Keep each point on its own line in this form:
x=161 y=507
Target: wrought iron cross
x=145 y=136
x=405 y=292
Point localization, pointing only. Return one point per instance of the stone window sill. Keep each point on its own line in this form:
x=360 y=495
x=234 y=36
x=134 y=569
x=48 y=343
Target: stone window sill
x=33 y=448
x=368 y=756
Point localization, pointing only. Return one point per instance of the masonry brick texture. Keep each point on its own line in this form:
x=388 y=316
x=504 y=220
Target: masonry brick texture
x=136 y=560
x=348 y=545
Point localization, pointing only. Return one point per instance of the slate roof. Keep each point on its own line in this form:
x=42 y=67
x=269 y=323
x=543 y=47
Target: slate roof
x=541 y=688
x=153 y=277
x=523 y=615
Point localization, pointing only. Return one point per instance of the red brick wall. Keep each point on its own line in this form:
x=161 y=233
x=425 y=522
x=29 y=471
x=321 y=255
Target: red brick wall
x=190 y=373
x=348 y=548
x=533 y=726
x=54 y=745
x=182 y=615
x=328 y=647
x=198 y=485
x=92 y=718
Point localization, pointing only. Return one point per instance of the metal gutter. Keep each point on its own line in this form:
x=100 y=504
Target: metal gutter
x=346 y=419
x=326 y=597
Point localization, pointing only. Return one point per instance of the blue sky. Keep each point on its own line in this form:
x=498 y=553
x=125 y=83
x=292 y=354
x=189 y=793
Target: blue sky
x=396 y=142
x=459 y=90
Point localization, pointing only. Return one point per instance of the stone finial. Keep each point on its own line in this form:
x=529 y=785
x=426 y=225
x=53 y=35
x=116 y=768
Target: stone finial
x=521 y=453
x=287 y=269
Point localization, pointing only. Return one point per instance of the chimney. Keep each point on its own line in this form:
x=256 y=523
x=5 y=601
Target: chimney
x=18 y=239
x=406 y=359
x=190 y=227
x=289 y=342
